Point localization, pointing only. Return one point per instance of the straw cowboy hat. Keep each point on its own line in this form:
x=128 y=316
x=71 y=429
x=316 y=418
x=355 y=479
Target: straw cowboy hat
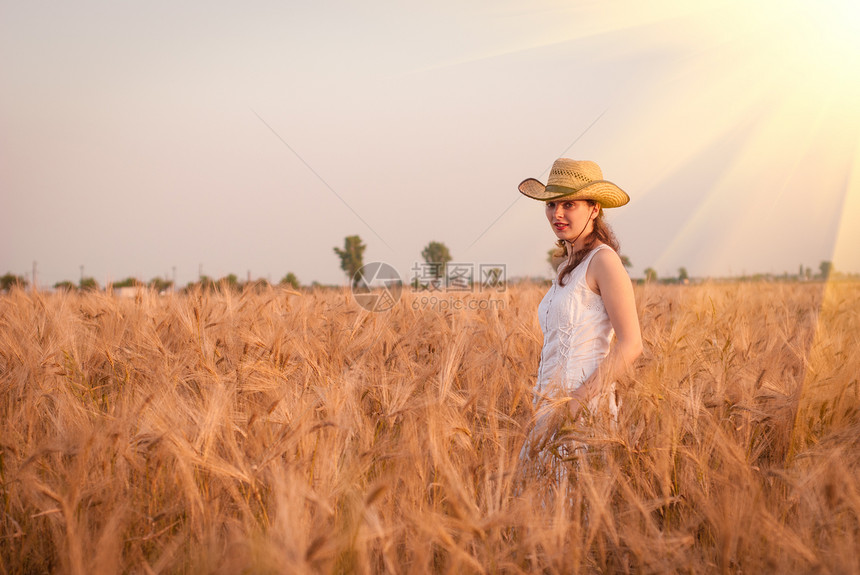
x=575 y=180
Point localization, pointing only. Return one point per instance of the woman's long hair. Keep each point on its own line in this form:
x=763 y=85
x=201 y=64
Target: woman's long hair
x=601 y=232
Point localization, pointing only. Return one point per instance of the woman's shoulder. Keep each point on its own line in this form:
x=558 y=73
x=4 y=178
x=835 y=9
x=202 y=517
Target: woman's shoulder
x=604 y=252
x=605 y=262
x=604 y=256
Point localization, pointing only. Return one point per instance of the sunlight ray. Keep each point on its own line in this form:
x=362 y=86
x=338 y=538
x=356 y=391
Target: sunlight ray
x=577 y=23
x=801 y=94
x=846 y=251
x=818 y=393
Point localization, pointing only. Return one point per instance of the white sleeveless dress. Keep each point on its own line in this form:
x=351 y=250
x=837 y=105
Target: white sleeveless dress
x=577 y=334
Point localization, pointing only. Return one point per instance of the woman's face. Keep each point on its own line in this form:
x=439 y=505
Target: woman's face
x=569 y=217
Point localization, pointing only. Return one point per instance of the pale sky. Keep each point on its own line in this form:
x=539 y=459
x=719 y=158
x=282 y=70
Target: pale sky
x=136 y=137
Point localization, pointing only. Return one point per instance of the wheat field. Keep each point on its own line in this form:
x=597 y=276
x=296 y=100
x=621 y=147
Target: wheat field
x=274 y=431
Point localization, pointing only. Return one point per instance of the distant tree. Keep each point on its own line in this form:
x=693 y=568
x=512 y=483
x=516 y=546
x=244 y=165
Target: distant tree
x=65 y=285
x=127 y=282
x=290 y=280
x=351 y=256
x=650 y=275
x=437 y=255
x=826 y=269
x=10 y=280
x=231 y=282
x=625 y=261
x=554 y=257
x=203 y=282
x=160 y=285
x=683 y=275
x=88 y=284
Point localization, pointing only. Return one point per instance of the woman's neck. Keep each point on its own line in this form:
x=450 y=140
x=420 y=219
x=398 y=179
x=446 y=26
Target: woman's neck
x=581 y=242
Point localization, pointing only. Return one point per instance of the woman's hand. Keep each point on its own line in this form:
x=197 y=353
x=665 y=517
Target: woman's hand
x=547 y=422
x=579 y=400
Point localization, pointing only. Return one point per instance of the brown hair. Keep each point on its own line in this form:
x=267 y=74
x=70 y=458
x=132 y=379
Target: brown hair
x=601 y=231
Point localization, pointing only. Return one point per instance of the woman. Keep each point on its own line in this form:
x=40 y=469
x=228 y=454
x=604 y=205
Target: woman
x=590 y=299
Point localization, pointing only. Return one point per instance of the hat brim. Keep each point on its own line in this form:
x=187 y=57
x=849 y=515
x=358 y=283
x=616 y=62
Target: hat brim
x=605 y=193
